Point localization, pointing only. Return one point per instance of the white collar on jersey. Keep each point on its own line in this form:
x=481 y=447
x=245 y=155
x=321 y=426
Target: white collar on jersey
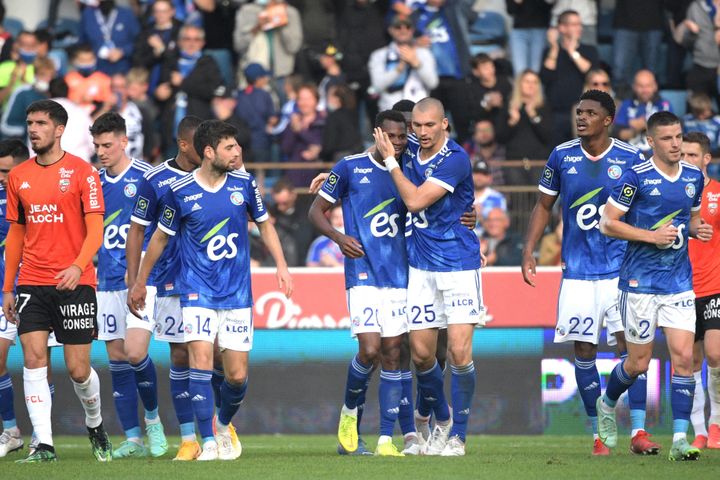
x=594 y=159
x=206 y=188
x=669 y=179
x=372 y=159
x=425 y=162
x=120 y=175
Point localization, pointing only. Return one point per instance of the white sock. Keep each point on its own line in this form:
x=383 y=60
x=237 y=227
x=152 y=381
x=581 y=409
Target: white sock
x=89 y=394
x=39 y=402
x=714 y=394
x=349 y=411
x=384 y=439
x=697 y=417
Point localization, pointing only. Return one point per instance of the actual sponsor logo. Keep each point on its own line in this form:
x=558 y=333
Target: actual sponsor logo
x=652 y=181
x=191 y=198
x=167 y=181
x=93 y=192
x=573 y=158
x=44 y=213
x=362 y=170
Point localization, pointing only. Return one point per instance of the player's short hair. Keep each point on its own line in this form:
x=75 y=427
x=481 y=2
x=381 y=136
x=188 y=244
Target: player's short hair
x=603 y=98
x=699 y=138
x=479 y=59
x=187 y=127
x=661 y=119
x=389 y=115
x=404 y=105
x=211 y=133
x=283 y=183
x=55 y=111
x=110 y=122
x=428 y=103
x=563 y=17
x=14 y=147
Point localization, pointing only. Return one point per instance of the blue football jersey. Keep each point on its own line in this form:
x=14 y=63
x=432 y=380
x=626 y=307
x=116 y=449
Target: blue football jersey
x=119 y=193
x=437 y=241
x=584 y=183
x=156 y=182
x=374 y=214
x=651 y=199
x=4 y=228
x=211 y=227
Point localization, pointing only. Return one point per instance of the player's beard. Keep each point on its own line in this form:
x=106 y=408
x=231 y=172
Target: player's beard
x=43 y=149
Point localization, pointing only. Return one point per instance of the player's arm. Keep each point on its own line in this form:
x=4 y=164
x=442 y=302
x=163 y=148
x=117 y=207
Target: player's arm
x=349 y=246
x=14 y=243
x=612 y=226
x=70 y=277
x=539 y=218
x=272 y=242
x=136 y=298
x=133 y=251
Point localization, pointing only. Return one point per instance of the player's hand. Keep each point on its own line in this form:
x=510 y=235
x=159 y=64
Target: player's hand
x=69 y=278
x=704 y=231
x=383 y=144
x=350 y=247
x=285 y=281
x=136 y=299
x=469 y=219
x=665 y=235
x=483 y=260
x=528 y=269
x=552 y=37
x=9 y=307
x=317 y=182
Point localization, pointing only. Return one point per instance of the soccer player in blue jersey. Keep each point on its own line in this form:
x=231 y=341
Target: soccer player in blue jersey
x=660 y=202
x=583 y=172
x=162 y=316
x=444 y=286
x=208 y=211
x=120 y=177
x=376 y=280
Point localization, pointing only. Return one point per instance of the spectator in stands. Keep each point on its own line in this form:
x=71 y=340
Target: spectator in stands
x=137 y=90
x=88 y=87
x=224 y=106
x=588 y=12
x=486 y=197
x=217 y=17
x=676 y=50
x=76 y=137
x=483 y=147
x=302 y=142
x=272 y=42
x=489 y=93
x=18 y=70
x=531 y=19
x=443 y=26
x=319 y=28
x=402 y=70
x=638 y=35
x=45 y=49
x=549 y=254
x=330 y=59
x=341 y=136
x=111 y=31
x=255 y=107
x=323 y=252
x=187 y=82
x=526 y=129
x=6 y=38
x=14 y=117
x=631 y=118
x=699 y=32
x=157 y=39
x=291 y=223
x=131 y=114
x=703 y=119
x=290 y=86
x=564 y=68
x=501 y=246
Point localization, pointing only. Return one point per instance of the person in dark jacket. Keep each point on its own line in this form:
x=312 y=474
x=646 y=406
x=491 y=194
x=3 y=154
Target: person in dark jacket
x=527 y=37
x=302 y=140
x=111 y=31
x=157 y=40
x=341 y=136
x=255 y=107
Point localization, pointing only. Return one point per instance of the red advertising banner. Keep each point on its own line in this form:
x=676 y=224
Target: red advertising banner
x=319 y=299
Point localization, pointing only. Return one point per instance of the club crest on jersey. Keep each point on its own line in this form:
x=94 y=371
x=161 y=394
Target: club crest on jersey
x=614 y=172
x=712 y=208
x=331 y=182
x=627 y=194
x=141 y=206
x=64 y=184
x=237 y=198
x=428 y=171
x=130 y=190
x=690 y=190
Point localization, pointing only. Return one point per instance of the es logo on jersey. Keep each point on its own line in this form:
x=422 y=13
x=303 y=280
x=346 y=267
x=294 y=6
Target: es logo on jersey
x=331 y=182
x=130 y=190
x=141 y=206
x=614 y=172
x=627 y=194
x=237 y=198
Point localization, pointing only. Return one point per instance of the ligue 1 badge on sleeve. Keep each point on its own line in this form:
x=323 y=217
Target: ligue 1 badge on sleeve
x=64 y=184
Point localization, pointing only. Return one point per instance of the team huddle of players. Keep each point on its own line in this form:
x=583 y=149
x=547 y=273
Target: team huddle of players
x=412 y=276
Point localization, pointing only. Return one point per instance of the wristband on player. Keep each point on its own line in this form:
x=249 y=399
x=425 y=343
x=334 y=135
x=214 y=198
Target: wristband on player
x=391 y=163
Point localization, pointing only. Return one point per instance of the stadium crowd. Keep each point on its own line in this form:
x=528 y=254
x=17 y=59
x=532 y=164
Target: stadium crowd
x=300 y=87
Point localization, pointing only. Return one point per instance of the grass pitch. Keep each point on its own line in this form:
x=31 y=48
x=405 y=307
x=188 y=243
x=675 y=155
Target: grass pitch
x=314 y=457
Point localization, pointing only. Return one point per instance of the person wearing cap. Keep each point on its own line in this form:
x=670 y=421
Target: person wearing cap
x=224 y=105
x=256 y=108
x=486 y=197
x=402 y=70
x=329 y=60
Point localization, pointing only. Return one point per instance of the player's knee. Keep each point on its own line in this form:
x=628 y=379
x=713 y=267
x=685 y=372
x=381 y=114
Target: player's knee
x=369 y=354
x=712 y=357
x=79 y=373
x=635 y=366
x=460 y=354
x=585 y=350
x=179 y=357
x=134 y=355
x=236 y=378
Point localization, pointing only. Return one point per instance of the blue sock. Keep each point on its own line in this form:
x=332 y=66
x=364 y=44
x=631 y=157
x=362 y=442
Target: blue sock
x=218 y=377
x=146 y=381
x=637 y=400
x=421 y=405
x=7 y=402
x=232 y=396
x=681 y=400
x=202 y=403
x=361 y=404
x=462 y=390
x=619 y=382
x=588 y=383
x=432 y=391
x=180 y=391
x=389 y=393
x=357 y=378
x=406 y=417
x=125 y=397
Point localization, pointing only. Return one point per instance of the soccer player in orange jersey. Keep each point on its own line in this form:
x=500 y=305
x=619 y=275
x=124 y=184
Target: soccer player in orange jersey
x=705 y=260
x=55 y=208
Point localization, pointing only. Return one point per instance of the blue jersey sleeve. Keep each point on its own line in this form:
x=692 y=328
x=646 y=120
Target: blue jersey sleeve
x=336 y=183
x=257 y=207
x=146 y=204
x=625 y=190
x=169 y=221
x=550 y=177
x=450 y=172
